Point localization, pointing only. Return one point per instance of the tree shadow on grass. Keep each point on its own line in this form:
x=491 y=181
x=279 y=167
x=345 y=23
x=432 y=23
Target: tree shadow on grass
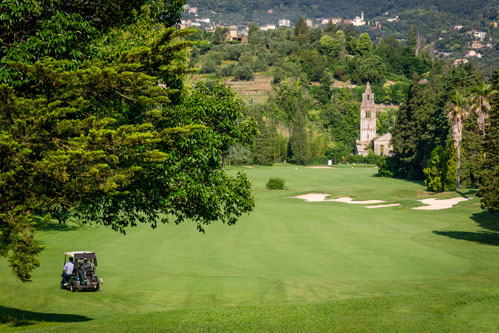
x=487 y=221
x=484 y=237
x=17 y=318
x=55 y=227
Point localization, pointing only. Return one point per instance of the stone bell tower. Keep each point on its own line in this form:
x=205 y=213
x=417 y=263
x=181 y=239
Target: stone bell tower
x=367 y=121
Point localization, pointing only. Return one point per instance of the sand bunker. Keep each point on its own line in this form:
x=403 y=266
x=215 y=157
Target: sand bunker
x=431 y=204
x=319 y=167
x=435 y=204
x=383 y=206
x=312 y=197
x=349 y=200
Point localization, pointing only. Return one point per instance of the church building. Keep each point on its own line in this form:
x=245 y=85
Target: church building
x=368 y=136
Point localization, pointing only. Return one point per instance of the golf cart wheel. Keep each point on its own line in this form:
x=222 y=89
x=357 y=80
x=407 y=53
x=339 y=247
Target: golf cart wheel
x=72 y=287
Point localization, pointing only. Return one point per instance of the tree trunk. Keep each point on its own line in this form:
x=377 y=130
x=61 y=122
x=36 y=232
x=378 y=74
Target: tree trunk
x=458 y=149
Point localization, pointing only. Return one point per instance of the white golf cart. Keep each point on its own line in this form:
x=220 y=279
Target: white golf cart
x=83 y=276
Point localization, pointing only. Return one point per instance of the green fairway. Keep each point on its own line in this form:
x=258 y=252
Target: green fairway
x=291 y=265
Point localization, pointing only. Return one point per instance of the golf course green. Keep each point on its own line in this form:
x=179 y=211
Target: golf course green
x=292 y=265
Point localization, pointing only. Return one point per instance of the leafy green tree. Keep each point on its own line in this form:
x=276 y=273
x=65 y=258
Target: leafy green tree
x=330 y=47
x=102 y=137
x=298 y=141
x=420 y=126
x=208 y=66
x=340 y=36
x=243 y=73
x=387 y=93
x=489 y=186
x=364 y=44
x=312 y=64
x=472 y=154
x=480 y=104
x=371 y=68
x=263 y=144
x=300 y=27
x=324 y=92
x=254 y=33
x=220 y=35
x=457 y=111
x=440 y=173
x=342 y=119
x=246 y=58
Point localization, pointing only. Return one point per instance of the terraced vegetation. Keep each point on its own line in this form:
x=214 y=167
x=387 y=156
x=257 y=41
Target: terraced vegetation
x=291 y=265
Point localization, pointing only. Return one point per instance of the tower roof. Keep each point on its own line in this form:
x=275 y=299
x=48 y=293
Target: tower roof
x=368 y=88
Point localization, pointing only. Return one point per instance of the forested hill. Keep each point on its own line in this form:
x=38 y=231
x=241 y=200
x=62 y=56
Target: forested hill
x=267 y=10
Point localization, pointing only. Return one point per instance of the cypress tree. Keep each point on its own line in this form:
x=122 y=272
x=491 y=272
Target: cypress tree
x=298 y=139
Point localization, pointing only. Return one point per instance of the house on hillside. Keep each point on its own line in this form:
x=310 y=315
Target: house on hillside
x=268 y=27
x=368 y=137
x=476 y=45
x=235 y=36
x=459 y=62
x=480 y=35
x=284 y=23
x=471 y=53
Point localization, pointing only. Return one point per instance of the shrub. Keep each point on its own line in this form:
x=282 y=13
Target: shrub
x=440 y=173
x=243 y=73
x=384 y=167
x=275 y=183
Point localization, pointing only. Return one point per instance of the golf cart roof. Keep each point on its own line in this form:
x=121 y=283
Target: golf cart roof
x=78 y=255
x=82 y=253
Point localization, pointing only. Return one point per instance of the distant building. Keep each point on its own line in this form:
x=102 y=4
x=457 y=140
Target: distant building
x=335 y=20
x=268 y=27
x=309 y=23
x=358 y=21
x=203 y=20
x=368 y=136
x=472 y=53
x=476 y=45
x=480 y=35
x=459 y=62
x=235 y=36
x=393 y=19
x=284 y=23
x=367 y=122
x=383 y=145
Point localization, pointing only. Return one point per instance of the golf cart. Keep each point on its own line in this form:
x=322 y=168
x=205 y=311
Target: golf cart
x=83 y=276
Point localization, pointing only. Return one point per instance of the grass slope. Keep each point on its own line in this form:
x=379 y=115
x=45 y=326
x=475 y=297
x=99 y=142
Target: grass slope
x=290 y=266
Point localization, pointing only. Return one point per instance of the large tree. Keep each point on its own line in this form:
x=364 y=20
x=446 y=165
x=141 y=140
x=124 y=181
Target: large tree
x=298 y=141
x=420 y=126
x=96 y=127
x=489 y=186
x=480 y=103
x=457 y=111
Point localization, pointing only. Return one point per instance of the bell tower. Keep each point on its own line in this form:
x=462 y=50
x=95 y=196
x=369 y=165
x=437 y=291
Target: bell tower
x=367 y=121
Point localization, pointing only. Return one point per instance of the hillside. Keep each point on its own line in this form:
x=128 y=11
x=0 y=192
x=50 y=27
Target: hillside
x=263 y=11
